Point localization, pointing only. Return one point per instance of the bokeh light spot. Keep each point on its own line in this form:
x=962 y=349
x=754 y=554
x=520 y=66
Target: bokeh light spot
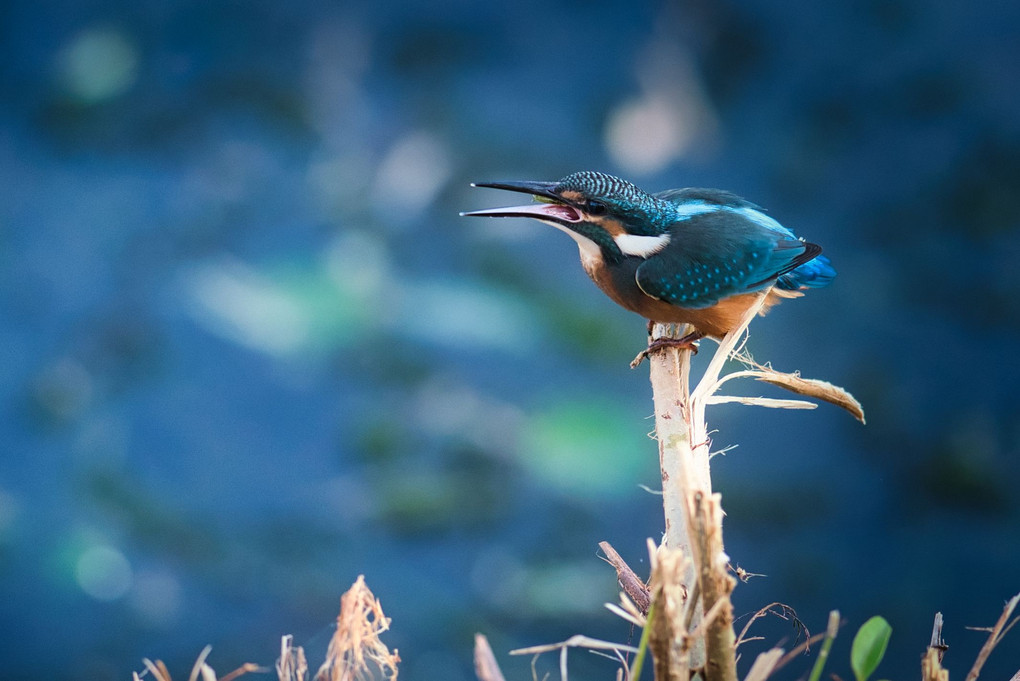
x=410 y=176
x=103 y=573
x=359 y=263
x=241 y=304
x=99 y=64
x=645 y=135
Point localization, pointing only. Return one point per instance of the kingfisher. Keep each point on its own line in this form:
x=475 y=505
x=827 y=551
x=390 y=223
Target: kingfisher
x=682 y=256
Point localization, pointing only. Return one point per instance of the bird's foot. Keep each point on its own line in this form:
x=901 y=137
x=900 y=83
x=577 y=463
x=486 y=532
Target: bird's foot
x=688 y=342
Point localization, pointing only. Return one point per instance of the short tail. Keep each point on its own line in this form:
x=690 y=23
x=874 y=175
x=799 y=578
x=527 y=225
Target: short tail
x=812 y=274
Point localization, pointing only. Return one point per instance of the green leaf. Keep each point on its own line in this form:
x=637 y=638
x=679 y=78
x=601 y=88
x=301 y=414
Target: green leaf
x=869 y=647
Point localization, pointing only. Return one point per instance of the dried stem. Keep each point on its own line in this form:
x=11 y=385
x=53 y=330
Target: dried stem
x=997 y=632
x=486 y=667
x=931 y=663
x=931 y=667
x=716 y=585
x=693 y=517
x=291 y=665
x=683 y=466
x=937 y=644
x=667 y=638
x=633 y=585
x=764 y=665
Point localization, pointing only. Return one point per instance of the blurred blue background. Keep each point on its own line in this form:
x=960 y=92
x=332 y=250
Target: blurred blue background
x=250 y=351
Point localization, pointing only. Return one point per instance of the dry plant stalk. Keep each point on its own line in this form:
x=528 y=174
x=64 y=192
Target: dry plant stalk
x=161 y=673
x=931 y=666
x=681 y=464
x=995 y=636
x=633 y=586
x=931 y=663
x=693 y=515
x=292 y=665
x=716 y=585
x=668 y=639
x=684 y=454
x=618 y=650
x=486 y=667
x=355 y=652
x=764 y=665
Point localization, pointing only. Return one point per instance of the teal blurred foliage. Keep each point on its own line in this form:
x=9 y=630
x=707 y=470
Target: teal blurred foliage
x=250 y=351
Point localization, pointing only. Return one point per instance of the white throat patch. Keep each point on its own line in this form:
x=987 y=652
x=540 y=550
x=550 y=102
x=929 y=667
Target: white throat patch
x=590 y=251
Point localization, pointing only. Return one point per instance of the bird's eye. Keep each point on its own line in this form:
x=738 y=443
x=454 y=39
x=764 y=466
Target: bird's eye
x=595 y=208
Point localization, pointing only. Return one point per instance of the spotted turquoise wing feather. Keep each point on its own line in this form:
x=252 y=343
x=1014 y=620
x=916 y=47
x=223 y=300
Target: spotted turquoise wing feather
x=745 y=257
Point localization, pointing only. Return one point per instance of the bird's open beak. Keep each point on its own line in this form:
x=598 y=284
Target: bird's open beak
x=550 y=206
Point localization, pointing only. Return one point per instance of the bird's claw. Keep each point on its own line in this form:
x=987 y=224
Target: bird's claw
x=685 y=343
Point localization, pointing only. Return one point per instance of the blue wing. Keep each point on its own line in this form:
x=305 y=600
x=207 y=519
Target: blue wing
x=722 y=253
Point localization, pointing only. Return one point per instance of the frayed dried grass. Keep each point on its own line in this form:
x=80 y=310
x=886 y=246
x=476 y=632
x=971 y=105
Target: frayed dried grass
x=669 y=639
x=355 y=652
x=199 y=669
x=813 y=387
x=794 y=382
x=292 y=665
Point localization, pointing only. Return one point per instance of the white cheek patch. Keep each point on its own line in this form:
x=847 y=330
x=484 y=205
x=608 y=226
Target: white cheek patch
x=641 y=246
